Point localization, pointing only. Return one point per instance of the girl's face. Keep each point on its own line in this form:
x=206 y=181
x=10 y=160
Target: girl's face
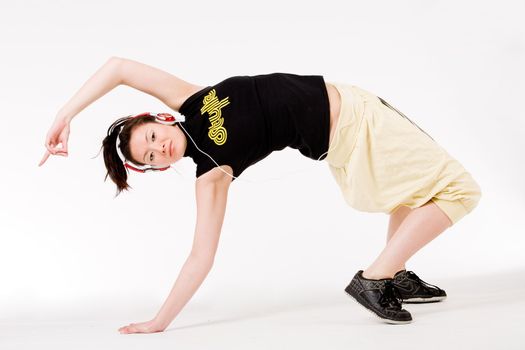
x=157 y=144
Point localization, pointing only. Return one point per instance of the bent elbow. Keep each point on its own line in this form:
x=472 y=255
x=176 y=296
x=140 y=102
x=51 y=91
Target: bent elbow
x=115 y=58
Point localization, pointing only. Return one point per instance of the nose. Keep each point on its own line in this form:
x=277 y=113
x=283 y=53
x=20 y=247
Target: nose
x=162 y=148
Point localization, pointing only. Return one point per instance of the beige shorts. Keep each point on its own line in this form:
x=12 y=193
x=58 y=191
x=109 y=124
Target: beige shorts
x=381 y=160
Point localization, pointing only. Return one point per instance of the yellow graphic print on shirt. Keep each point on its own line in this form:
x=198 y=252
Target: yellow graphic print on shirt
x=212 y=105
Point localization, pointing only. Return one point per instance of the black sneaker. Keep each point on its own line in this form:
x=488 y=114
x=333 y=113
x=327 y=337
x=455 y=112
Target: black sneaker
x=380 y=297
x=414 y=290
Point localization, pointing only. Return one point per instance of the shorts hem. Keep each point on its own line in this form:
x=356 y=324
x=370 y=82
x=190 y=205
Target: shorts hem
x=454 y=210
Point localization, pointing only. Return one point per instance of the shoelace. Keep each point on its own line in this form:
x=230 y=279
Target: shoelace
x=412 y=275
x=390 y=296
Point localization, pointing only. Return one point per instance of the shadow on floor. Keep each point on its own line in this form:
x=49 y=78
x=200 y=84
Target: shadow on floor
x=463 y=293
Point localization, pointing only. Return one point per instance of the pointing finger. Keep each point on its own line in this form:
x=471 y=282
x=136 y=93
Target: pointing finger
x=46 y=155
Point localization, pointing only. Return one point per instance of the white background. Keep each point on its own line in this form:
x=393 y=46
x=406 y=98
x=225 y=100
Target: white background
x=70 y=252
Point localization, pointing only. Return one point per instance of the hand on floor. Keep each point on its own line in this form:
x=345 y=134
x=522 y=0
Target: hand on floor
x=144 y=327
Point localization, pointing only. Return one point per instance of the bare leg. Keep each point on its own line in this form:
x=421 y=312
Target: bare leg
x=396 y=218
x=419 y=227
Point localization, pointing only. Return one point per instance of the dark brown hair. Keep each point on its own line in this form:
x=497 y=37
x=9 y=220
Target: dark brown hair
x=116 y=170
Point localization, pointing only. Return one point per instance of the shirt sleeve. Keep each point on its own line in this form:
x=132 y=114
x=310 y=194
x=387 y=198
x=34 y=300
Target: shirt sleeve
x=207 y=165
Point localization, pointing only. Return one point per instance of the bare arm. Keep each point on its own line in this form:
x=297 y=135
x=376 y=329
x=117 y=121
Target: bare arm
x=171 y=90
x=116 y=71
x=105 y=79
x=211 y=195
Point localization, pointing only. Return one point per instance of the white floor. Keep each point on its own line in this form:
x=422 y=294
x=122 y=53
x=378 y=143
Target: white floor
x=482 y=312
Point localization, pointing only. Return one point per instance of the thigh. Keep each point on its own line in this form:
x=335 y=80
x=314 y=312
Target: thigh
x=390 y=162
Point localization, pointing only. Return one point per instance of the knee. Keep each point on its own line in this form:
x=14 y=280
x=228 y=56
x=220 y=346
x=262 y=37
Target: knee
x=459 y=198
x=472 y=196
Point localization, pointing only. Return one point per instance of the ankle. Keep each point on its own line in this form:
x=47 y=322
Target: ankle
x=376 y=275
x=403 y=268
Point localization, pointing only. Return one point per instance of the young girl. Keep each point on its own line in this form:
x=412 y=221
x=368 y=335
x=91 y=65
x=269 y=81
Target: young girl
x=381 y=160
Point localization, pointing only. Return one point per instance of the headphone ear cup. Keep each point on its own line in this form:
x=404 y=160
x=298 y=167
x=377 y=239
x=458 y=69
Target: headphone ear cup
x=168 y=119
x=160 y=169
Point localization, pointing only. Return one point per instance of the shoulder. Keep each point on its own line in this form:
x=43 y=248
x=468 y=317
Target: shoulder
x=215 y=177
x=188 y=91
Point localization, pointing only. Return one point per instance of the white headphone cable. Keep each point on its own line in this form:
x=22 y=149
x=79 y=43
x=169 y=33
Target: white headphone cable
x=244 y=179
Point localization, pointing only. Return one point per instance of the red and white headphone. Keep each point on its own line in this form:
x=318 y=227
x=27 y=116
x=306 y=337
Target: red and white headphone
x=162 y=118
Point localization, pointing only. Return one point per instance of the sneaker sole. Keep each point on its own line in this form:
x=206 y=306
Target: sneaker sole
x=423 y=300
x=387 y=320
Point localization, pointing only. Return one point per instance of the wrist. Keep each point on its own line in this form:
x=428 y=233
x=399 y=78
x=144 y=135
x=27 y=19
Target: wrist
x=161 y=322
x=64 y=117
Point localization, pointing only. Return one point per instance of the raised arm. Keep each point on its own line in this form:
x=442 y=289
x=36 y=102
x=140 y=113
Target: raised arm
x=116 y=71
x=166 y=87
x=105 y=79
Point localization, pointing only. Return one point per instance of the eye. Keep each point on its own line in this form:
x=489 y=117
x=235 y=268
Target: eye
x=152 y=140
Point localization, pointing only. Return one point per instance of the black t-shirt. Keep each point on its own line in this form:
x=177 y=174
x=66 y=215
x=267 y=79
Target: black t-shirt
x=243 y=119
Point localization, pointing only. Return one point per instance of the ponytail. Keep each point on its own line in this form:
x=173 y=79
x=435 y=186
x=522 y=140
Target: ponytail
x=115 y=169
